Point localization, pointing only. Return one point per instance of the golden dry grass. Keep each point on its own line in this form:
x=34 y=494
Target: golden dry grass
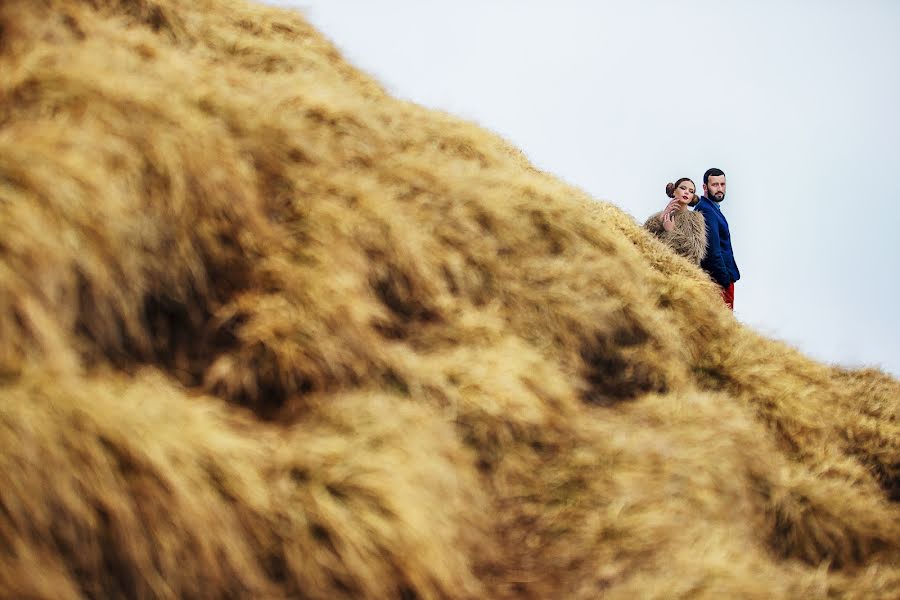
x=269 y=332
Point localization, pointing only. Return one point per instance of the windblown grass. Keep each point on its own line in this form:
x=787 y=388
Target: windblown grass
x=269 y=332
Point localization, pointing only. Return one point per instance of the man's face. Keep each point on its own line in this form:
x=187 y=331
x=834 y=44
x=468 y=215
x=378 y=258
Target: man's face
x=714 y=188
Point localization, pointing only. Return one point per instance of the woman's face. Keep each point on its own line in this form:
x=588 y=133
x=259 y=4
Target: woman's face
x=684 y=192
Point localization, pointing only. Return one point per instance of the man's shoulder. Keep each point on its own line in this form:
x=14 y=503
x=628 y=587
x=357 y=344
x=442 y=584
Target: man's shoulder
x=702 y=207
x=706 y=207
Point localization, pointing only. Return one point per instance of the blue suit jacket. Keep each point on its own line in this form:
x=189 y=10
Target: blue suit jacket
x=719 y=259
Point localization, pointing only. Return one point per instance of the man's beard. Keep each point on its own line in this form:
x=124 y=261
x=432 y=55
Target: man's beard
x=718 y=197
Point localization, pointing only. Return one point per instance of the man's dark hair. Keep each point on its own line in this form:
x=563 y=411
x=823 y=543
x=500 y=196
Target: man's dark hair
x=714 y=172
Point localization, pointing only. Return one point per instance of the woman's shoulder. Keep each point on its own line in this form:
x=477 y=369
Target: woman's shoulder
x=694 y=216
x=692 y=219
x=694 y=224
x=654 y=221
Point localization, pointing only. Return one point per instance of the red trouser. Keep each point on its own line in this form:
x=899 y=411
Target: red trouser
x=728 y=295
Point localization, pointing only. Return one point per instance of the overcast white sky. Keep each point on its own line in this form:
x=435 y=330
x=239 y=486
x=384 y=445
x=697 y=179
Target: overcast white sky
x=797 y=101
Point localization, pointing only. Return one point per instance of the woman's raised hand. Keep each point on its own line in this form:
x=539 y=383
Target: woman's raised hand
x=668 y=215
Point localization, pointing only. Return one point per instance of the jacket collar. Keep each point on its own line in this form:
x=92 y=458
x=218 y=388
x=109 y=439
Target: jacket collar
x=712 y=203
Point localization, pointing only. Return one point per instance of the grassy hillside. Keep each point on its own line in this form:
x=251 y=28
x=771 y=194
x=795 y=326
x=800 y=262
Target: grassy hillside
x=266 y=331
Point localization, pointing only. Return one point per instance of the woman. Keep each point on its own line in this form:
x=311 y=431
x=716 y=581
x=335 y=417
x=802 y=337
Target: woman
x=683 y=230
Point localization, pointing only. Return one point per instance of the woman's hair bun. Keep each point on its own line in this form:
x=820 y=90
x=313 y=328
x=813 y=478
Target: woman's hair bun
x=670 y=190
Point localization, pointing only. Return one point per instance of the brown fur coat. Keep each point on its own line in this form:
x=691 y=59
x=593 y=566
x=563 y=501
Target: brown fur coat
x=688 y=238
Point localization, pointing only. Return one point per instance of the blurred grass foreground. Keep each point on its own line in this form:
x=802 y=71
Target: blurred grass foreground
x=267 y=332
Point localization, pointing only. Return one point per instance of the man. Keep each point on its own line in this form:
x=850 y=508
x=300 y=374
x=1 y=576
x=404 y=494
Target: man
x=719 y=259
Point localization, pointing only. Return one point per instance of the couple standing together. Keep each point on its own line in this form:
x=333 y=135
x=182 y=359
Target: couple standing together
x=700 y=235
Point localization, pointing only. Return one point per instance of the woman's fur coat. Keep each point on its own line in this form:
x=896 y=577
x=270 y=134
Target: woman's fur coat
x=687 y=238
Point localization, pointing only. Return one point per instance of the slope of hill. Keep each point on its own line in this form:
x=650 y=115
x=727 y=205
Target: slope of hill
x=266 y=331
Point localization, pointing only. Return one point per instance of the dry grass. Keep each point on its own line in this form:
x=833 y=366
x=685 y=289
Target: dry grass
x=268 y=332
